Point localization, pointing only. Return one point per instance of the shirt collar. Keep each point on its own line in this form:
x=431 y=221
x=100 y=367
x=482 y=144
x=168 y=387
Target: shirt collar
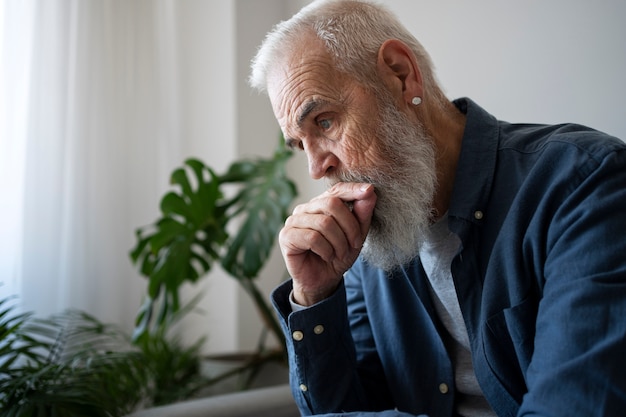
x=477 y=161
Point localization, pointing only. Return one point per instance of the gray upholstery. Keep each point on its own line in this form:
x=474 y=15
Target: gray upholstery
x=274 y=401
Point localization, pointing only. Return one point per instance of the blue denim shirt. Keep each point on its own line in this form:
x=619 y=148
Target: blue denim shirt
x=540 y=277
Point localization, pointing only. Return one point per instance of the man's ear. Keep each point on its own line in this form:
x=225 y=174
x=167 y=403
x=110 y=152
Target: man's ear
x=398 y=67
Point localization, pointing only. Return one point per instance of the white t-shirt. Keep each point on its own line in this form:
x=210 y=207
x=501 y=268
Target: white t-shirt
x=436 y=255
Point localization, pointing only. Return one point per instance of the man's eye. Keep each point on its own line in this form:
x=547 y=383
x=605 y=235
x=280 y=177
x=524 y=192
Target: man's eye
x=294 y=144
x=324 y=123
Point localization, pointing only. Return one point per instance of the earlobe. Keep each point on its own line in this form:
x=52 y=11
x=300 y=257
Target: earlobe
x=398 y=67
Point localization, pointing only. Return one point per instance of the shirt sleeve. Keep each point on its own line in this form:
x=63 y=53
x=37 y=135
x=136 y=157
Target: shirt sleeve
x=578 y=366
x=325 y=375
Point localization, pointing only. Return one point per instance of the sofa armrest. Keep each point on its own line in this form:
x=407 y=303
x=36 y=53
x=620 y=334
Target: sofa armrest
x=272 y=401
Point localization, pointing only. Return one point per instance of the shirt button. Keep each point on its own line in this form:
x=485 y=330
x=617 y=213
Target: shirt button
x=297 y=335
x=319 y=329
x=443 y=388
x=303 y=388
x=478 y=214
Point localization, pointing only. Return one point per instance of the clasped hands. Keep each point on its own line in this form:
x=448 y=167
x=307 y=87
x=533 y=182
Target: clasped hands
x=322 y=238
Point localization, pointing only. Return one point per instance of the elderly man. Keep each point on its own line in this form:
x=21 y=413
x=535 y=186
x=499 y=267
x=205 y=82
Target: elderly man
x=457 y=265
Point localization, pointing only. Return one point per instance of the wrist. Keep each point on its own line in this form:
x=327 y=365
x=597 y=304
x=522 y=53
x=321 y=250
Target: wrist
x=308 y=298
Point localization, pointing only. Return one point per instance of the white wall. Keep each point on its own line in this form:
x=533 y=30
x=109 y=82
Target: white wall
x=258 y=135
x=529 y=61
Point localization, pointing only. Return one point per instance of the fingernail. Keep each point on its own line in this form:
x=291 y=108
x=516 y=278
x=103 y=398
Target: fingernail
x=365 y=187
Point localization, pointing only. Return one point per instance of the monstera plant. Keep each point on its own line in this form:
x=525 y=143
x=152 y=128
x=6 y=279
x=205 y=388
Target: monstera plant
x=231 y=218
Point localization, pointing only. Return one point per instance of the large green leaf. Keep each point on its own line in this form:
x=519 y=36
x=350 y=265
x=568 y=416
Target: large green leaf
x=251 y=198
x=261 y=205
x=183 y=243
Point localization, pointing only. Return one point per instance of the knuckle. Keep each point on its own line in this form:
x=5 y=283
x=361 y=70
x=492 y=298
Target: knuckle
x=288 y=222
x=325 y=222
x=283 y=234
x=334 y=189
x=335 y=203
x=312 y=237
x=300 y=208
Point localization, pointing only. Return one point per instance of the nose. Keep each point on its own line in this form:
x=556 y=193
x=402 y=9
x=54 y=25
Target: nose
x=321 y=161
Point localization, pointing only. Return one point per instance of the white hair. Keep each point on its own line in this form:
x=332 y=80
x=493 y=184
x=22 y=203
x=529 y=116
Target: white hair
x=352 y=32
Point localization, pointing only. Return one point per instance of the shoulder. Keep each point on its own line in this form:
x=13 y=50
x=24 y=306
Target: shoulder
x=568 y=138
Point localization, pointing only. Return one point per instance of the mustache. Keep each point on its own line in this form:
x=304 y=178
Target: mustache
x=352 y=176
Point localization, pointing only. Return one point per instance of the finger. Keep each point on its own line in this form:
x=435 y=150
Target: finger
x=363 y=209
x=350 y=191
x=327 y=226
x=362 y=200
x=296 y=241
x=334 y=207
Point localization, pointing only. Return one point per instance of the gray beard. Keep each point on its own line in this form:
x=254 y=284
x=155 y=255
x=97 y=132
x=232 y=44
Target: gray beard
x=405 y=182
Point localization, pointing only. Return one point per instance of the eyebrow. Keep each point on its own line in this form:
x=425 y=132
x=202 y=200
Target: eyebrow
x=308 y=108
x=305 y=111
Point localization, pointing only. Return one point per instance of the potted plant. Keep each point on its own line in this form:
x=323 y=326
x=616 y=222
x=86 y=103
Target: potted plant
x=252 y=198
x=74 y=365
x=71 y=364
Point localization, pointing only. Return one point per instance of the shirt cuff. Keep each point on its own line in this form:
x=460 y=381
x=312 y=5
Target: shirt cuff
x=295 y=306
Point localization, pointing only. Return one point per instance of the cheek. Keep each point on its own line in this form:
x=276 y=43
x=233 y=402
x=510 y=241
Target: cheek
x=360 y=150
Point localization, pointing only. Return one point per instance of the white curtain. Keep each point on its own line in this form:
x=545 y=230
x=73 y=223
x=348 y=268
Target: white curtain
x=91 y=128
